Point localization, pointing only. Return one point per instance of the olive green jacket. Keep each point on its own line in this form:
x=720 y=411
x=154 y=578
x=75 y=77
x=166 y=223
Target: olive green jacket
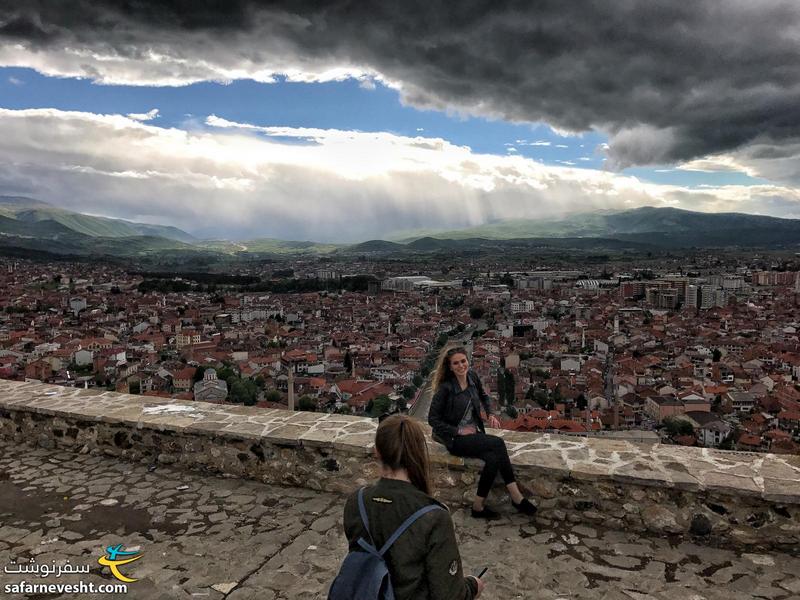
x=424 y=562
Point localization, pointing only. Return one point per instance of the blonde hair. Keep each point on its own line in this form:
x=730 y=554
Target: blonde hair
x=400 y=442
x=442 y=371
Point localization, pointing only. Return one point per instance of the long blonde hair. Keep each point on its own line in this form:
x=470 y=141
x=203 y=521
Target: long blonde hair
x=443 y=372
x=400 y=442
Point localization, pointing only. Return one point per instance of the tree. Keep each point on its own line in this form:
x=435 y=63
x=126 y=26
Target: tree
x=307 y=403
x=348 y=361
x=511 y=411
x=379 y=406
x=676 y=427
x=408 y=392
x=417 y=380
x=226 y=374
x=510 y=387
x=242 y=391
x=273 y=396
x=198 y=374
x=541 y=398
x=717 y=355
x=581 y=402
x=729 y=441
x=557 y=394
x=501 y=388
x=476 y=312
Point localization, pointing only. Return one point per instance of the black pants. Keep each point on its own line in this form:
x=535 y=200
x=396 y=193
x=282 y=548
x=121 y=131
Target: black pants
x=492 y=451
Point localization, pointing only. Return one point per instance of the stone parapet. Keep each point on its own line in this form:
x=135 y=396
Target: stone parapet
x=739 y=497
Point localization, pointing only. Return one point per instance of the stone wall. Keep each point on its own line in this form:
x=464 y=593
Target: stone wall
x=721 y=497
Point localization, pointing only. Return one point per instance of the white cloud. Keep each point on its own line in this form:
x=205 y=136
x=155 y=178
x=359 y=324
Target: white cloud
x=196 y=58
x=765 y=159
x=14 y=81
x=712 y=164
x=561 y=146
x=241 y=180
x=148 y=116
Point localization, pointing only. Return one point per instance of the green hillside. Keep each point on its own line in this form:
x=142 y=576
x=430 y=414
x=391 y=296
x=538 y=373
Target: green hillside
x=668 y=227
x=273 y=246
x=590 y=225
x=30 y=210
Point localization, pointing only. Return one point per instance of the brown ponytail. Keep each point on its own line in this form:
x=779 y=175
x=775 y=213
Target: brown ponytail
x=400 y=442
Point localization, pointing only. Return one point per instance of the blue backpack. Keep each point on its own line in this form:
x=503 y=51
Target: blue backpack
x=364 y=575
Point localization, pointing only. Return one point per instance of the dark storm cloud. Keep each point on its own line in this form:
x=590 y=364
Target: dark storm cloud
x=25 y=29
x=668 y=81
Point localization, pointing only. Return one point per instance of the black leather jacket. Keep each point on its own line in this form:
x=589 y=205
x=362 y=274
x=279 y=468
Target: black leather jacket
x=448 y=407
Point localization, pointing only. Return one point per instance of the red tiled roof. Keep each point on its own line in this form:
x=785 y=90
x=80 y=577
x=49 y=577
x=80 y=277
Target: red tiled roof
x=749 y=440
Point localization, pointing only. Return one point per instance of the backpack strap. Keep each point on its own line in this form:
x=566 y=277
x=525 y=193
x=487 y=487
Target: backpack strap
x=406 y=524
x=363 y=510
x=370 y=547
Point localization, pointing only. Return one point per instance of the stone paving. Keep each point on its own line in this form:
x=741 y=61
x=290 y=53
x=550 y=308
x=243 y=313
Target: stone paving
x=209 y=537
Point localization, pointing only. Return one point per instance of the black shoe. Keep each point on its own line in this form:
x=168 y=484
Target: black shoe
x=487 y=513
x=526 y=507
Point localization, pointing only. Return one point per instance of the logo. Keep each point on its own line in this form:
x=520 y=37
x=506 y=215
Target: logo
x=113 y=560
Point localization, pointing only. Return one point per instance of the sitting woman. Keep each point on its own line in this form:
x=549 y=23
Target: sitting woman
x=455 y=416
x=424 y=562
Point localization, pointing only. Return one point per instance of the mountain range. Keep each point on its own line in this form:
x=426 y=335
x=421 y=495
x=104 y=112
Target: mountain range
x=29 y=225
x=28 y=210
x=670 y=227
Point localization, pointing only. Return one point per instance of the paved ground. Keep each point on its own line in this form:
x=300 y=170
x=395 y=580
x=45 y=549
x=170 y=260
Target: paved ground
x=204 y=537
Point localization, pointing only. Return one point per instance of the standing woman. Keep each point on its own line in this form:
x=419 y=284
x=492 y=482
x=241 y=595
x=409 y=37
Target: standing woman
x=455 y=416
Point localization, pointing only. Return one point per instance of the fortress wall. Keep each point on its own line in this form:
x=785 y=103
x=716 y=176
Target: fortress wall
x=721 y=497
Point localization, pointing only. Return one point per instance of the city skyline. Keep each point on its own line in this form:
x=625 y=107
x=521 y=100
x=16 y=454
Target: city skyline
x=287 y=122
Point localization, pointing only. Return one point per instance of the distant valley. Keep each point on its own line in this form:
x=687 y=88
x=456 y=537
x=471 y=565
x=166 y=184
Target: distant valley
x=31 y=226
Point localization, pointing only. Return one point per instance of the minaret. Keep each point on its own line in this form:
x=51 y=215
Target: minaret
x=290 y=384
x=616 y=324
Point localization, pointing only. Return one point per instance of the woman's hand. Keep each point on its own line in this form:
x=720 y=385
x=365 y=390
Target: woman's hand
x=493 y=422
x=467 y=430
x=480 y=583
